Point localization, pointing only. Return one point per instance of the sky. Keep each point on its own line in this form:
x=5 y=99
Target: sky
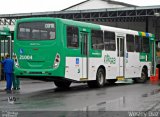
x=28 y=6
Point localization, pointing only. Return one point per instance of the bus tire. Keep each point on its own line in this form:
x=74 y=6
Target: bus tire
x=100 y=79
x=62 y=84
x=143 y=78
x=111 y=81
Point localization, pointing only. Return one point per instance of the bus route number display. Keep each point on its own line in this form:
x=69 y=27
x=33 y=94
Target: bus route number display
x=49 y=25
x=25 y=57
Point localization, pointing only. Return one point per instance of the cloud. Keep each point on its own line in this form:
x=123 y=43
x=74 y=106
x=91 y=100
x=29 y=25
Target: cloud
x=27 y=6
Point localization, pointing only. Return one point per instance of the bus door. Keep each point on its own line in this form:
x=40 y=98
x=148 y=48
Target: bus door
x=120 y=56
x=5 y=48
x=84 y=53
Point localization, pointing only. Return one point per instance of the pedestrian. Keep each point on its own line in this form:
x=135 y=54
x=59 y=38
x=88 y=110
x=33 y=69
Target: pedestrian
x=16 y=81
x=8 y=64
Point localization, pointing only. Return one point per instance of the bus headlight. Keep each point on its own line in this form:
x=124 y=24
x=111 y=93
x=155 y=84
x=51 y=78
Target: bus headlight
x=56 y=61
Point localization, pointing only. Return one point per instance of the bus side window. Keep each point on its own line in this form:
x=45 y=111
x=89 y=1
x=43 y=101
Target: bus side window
x=72 y=37
x=138 y=43
x=97 y=39
x=130 y=43
x=145 y=45
x=109 y=41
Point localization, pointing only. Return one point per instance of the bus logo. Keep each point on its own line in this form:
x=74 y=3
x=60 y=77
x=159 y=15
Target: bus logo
x=21 y=51
x=110 y=60
x=77 y=60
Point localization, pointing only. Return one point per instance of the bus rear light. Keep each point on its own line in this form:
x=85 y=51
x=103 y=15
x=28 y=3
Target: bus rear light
x=56 y=61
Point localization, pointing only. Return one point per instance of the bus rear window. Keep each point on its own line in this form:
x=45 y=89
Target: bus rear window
x=36 y=31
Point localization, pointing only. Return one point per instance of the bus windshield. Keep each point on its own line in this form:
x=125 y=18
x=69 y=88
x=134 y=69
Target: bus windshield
x=36 y=31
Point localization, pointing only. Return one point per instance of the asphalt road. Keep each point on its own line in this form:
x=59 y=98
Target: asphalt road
x=44 y=96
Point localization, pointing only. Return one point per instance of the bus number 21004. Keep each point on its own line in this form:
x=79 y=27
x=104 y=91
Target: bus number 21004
x=25 y=57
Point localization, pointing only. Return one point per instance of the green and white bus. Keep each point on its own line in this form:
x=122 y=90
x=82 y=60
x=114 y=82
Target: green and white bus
x=6 y=47
x=71 y=51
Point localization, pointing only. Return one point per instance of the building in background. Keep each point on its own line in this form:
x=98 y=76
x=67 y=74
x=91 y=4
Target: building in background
x=105 y=12
x=97 y=4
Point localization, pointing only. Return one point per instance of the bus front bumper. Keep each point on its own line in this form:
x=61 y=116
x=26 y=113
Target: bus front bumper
x=39 y=72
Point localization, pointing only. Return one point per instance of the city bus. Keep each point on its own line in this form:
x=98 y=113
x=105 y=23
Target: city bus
x=69 y=51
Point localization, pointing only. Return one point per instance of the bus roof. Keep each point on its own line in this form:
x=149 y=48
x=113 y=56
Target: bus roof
x=107 y=28
x=5 y=31
x=90 y=25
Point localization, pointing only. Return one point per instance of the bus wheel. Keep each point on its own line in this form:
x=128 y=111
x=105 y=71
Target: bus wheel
x=62 y=84
x=100 y=79
x=143 y=78
x=111 y=81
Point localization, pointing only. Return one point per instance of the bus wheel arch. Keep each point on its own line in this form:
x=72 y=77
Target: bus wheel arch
x=144 y=75
x=145 y=68
x=100 y=78
x=158 y=66
x=62 y=84
x=102 y=67
x=101 y=71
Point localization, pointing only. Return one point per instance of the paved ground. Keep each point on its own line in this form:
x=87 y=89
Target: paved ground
x=44 y=96
x=30 y=86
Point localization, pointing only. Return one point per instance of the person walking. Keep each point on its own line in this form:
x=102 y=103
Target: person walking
x=8 y=64
x=16 y=83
